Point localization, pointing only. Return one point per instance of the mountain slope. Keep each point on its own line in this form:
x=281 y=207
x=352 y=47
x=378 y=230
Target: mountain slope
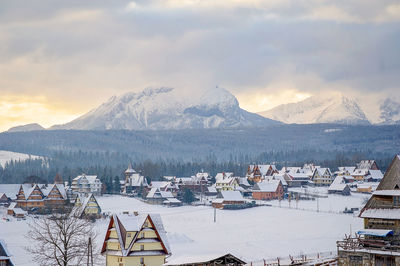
x=390 y=112
x=319 y=109
x=28 y=127
x=165 y=108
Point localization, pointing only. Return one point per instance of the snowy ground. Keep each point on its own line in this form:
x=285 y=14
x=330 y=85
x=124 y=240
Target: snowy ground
x=6 y=156
x=253 y=234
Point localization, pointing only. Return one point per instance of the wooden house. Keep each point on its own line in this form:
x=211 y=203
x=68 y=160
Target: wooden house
x=268 y=190
x=138 y=239
x=379 y=242
x=56 y=196
x=228 y=197
x=5 y=256
x=10 y=209
x=322 y=177
x=339 y=186
x=30 y=196
x=257 y=172
x=87 y=207
x=364 y=188
x=208 y=260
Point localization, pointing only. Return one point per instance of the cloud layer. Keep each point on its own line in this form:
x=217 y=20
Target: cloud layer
x=79 y=53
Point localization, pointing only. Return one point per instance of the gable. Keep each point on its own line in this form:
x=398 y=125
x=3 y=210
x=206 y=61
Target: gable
x=391 y=179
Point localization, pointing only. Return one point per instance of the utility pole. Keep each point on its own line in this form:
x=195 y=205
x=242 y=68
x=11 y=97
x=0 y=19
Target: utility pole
x=90 y=253
x=215 y=214
x=317 y=204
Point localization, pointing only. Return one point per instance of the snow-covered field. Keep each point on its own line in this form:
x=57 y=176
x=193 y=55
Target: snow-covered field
x=6 y=156
x=253 y=234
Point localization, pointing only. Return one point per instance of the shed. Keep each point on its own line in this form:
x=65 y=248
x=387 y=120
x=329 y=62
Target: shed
x=200 y=260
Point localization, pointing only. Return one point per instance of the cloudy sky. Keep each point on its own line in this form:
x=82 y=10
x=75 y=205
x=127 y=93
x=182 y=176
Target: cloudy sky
x=59 y=59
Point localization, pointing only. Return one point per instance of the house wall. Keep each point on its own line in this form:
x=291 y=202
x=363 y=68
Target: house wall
x=127 y=261
x=354 y=258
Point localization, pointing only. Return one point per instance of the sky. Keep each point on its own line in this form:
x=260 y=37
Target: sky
x=59 y=59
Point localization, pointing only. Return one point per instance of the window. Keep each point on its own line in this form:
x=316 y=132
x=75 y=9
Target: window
x=396 y=201
x=142 y=235
x=129 y=234
x=141 y=260
x=142 y=247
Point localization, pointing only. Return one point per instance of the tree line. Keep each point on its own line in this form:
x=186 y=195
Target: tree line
x=110 y=167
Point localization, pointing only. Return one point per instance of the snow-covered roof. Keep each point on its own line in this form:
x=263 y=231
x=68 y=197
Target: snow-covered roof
x=172 y=200
x=281 y=178
x=11 y=190
x=338 y=184
x=365 y=164
x=230 y=195
x=360 y=172
x=387 y=193
x=194 y=259
x=376 y=174
x=381 y=213
x=375 y=232
x=212 y=189
x=267 y=186
x=159 y=184
x=90 y=178
x=12 y=206
x=243 y=181
x=322 y=171
x=7 y=253
x=19 y=211
x=157 y=193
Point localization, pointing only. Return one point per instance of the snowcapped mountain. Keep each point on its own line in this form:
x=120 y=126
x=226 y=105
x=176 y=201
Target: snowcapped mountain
x=334 y=108
x=166 y=108
x=390 y=112
x=28 y=127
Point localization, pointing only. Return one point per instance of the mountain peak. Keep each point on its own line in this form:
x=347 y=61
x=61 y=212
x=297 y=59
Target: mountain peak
x=166 y=108
x=27 y=127
x=328 y=108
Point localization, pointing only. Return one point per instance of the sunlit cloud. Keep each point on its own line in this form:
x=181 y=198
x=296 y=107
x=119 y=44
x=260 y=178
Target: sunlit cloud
x=19 y=110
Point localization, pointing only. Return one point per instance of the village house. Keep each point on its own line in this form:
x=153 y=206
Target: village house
x=4 y=200
x=165 y=186
x=322 y=177
x=87 y=207
x=138 y=239
x=374 y=176
x=5 y=257
x=86 y=184
x=157 y=196
x=368 y=164
x=134 y=182
x=225 y=181
x=345 y=170
x=364 y=188
x=228 y=197
x=339 y=186
x=257 y=172
x=268 y=190
x=379 y=242
x=360 y=174
x=296 y=179
x=197 y=183
x=38 y=196
x=208 y=260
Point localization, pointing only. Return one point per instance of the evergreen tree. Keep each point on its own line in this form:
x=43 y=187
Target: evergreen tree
x=188 y=196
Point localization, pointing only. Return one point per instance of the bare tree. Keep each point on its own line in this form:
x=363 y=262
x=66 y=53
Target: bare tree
x=60 y=240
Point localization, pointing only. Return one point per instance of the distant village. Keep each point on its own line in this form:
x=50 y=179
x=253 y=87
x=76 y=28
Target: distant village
x=262 y=183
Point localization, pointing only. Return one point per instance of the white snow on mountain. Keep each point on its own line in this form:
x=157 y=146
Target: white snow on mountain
x=389 y=112
x=166 y=108
x=7 y=156
x=28 y=127
x=333 y=108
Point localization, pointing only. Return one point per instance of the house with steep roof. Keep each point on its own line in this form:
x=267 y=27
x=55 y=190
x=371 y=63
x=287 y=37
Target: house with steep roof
x=138 y=239
x=378 y=243
x=322 y=177
x=368 y=164
x=158 y=196
x=5 y=256
x=87 y=207
x=339 y=186
x=268 y=190
x=225 y=181
x=134 y=182
x=258 y=172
